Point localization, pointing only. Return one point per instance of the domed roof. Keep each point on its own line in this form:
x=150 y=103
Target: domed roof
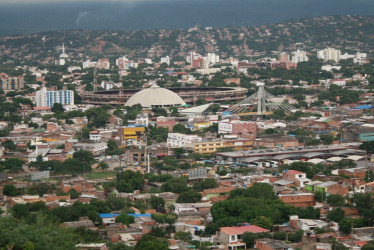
x=155 y=97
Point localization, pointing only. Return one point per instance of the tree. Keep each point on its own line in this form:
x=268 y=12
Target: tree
x=326 y=139
x=368 y=246
x=157 y=203
x=205 y=184
x=159 y=112
x=129 y=181
x=180 y=128
x=13 y=164
x=73 y=193
x=149 y=242
x=336 y=215
x=336 y=200
x=369 y=176
x=84 y=156
x=57 y=108
x=125 y=219
x=191 y=196
x=262 y=221
x=10 y=190
x=9 y=144
x=103 y=165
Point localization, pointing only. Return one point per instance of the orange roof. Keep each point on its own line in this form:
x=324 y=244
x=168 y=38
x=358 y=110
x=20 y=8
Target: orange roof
x=294 y=172
x=243 y=229
x=219 y=190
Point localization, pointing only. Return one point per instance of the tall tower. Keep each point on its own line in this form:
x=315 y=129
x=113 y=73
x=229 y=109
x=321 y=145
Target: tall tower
x=261 y=105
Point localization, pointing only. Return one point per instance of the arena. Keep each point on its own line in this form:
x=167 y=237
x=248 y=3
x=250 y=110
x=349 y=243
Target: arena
x=189 y=95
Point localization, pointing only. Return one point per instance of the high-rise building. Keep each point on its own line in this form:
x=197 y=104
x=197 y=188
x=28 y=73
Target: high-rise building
x=329 y=54
x=165 y=59
x=45 y=98
x=299 y=56
x=11 y=82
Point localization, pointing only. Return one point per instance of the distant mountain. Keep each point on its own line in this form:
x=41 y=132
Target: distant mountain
x=349 y=33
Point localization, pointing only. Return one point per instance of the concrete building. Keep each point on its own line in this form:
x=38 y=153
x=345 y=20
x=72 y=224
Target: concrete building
x=103 y=64
x=89 y=64
x=271 y=244
x=240 y=128
x=45 y=98
x=11 y=82
x=95 y=136
x=298 y=199
x=212 y=146
x=177 y=140
x=299 y=56
x=232 y=236
x=329 y=54
x=165 y=59
x=125 y=63
x=296 y=176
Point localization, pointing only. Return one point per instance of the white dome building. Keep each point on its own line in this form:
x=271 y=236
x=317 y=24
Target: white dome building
x=154 y=97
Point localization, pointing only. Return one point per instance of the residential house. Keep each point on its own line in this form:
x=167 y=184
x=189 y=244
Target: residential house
x=298 y=199
x=271 y=244
x=298 y=177
x=232 y=236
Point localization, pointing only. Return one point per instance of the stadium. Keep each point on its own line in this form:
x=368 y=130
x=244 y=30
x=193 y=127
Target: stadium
x=189 y=95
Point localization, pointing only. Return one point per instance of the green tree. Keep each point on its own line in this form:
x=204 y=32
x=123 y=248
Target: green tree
x=57 y=108
x=10 y=190
x=125 y=219
x=84 y=156
x=336 y=200
x=129 y=181
x=205 y=184
x=9 y=144
x=191 y=196
x=157 y=203
x=149 y=242
x=262 y=221
x=336 y=215
x=103 y=165
x=369 y=176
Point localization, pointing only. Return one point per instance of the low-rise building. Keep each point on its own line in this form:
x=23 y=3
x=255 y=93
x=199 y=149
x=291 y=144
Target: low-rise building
x=212 y=146
x=271 y=244
x=298 y=177
x=298 y=199
x=178 y=140
x=232 y=236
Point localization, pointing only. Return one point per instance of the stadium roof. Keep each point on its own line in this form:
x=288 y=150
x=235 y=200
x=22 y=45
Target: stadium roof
x=155 y=97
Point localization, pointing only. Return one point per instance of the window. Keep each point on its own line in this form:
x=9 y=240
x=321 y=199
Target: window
x=232 y=237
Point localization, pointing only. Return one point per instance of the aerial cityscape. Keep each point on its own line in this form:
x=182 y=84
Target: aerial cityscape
x=228 y=134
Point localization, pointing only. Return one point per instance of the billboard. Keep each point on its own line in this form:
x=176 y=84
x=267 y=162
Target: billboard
x=197 y=173
x=40 y=175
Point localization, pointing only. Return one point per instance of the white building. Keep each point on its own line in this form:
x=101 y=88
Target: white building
x=95 y=136
x=72 y=68
x=103 y=64
x=192 y=56
x=177 y=140
x=125 y=63
x=212 y=59
x=329 y=68
x=360 y=58
x=208 y=71
x=299 y=56
x=339 y=82
x=63 y=57
x=89 y=64
x=142 y=120
x=165 y=59
x=329 y=54
x=46 y=98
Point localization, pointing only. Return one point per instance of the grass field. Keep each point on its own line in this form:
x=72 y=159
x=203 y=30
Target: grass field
x=101 y=175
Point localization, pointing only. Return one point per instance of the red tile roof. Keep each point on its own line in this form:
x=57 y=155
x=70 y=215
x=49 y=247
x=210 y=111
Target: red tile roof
x=243 y=229
x=294 y=172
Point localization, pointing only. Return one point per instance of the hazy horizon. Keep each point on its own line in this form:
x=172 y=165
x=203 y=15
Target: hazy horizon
x=31 y=16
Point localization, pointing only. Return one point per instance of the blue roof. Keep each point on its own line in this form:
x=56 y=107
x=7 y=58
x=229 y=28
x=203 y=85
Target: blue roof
x=169 y=72
x=115 y=215
x=363 y=107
